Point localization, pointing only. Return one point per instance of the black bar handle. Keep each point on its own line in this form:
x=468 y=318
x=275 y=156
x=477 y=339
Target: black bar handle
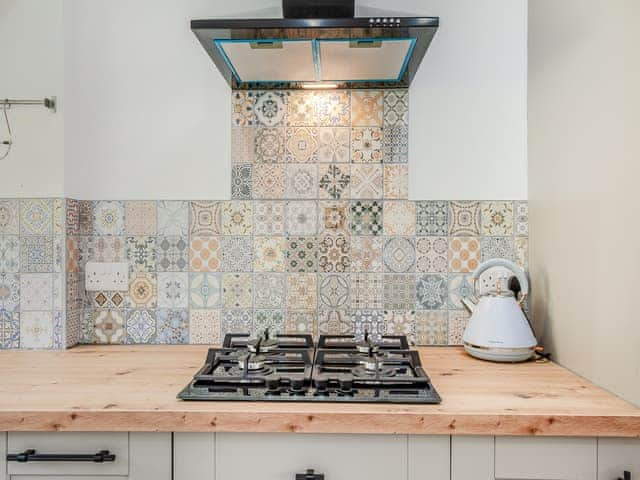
x=31 y=456
x=627 y=476
x=310 y=475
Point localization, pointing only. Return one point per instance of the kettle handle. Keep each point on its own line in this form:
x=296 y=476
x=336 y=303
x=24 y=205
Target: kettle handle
x=508 y=264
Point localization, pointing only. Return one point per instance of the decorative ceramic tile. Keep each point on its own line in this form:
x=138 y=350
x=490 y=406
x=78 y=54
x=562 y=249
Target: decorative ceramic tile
x=270 y=291
x=334 y=181
x=432 y=328
x=237 y=218
x=143 y=291
x=72 y=217
x=74 y=254
x=366 y=254
x=332 y=108
x=173 y=290
x=9 y=254
x=36 y=217
x=302 y=254
x=301 y=109
x=109 y=327
x=367 y=108
x=236 y=321
x=173 y=327
x=237 y=254
x=270 y=254
x=396 y=182
x=58 y=291
x=141 y=253
x=269 y=218
x=464 y=218
x=366 y=181
x=59 y=253
x=237 y=290
x=521 y=252
x=75 y=291
x=243 y=145
x=395 y=145
x=301 y=322
x=334 y=291
x=334 y=322
x=366 y=218
x=59 y=225
x=204 y=327
x=205 y=290
x=205 y=254
x=269 y=145
x=401 y=322
x=9 y=217
x=521 y=212
x=104 y=249
x=9 y=329
x=399 y=255
x=172 y=254
x=36 y=291
x=59 y=319
x=141 y=326
x=399 y=292
x=9 y=292
x=36 y=254
x=87 y=326
x=458 y=320
x=334 y=145
x=302 y=291
x=108 y=218
x=497 y=218
x=141 y=218
x=396 y=108
x=368 y=322
x=367 y=291
x=269 y=181
x=106 y=299
x=242 y=108
x=206 y=218
x=464 y=254
x=431 y=291
x=302 y=145
x=366 y=145
x=460 y=286
x=334 y=254
x=36 y=330
x=302 y=218
x=399 y=217
x=497 y=247
x=86 y=219
x=73 y=328
x=271 y=320
x=270 y=108
x=301 y=181
x=432 y=218
x=241 y=181
x=432 y=255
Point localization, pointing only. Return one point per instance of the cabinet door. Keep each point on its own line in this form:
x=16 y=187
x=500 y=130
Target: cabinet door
x=548 y=458
x=338 y=457
x=429 y=457
x=150 y=456
x=194 y=456
x=472 y=458
x=615 y=455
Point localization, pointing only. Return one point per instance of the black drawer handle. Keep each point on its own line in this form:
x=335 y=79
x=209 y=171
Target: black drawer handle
x=31 y=456
x=627 y=476
x=310 y=475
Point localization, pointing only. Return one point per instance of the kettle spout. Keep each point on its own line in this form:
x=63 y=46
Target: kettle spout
x=469 y=303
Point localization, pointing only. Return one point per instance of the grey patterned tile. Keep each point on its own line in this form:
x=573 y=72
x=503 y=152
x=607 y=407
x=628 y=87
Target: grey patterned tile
x=270 y=291
x=36 y=217
x=399 y=292
x=334 y=292
x=497 y=247
x=395 y=144
x=464 y=218
x=9 y=292
x=272 y=320
x=369 y=322
x=9 y=254
x=141 y=326
x=399 y=255
x=36 y=254
x=241 y=181
x=432 y=327
x=205 y=290
x=270 y=108
x=366 y=218
x=431 y=291
x=236 y=321
x=334 y=254
x=173 y=326
x=237 y=254
x=9 y=217
x=141 y=254
x=9 y=329
x=269 y=145
x=302 y=254
x=172 y=254
x=432 y=218
x=173 y=290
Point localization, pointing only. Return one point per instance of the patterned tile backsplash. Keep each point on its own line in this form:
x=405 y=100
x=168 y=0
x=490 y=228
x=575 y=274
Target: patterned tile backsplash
x=319 y=237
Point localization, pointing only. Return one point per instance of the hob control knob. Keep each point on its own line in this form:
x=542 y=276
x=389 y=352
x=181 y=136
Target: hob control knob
x=273 y=384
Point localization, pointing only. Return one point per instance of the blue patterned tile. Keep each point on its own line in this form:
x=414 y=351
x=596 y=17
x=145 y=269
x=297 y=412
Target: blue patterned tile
x=432 y=291
x=141 y=326
x=205 y=290
x=36 y=254
x=173 y=327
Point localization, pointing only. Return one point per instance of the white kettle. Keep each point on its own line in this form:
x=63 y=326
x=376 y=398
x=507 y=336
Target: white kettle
x=498 y=329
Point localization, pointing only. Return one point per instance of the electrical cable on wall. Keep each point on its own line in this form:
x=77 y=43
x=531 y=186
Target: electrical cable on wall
x=49 y=103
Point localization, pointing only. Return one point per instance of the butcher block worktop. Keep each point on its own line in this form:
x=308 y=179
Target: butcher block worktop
x=133 y=388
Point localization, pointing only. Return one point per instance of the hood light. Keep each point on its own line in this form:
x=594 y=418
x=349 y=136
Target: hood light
x=319 y=86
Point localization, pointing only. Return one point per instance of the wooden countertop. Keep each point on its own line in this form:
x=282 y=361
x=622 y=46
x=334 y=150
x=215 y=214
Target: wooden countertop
x=127 y=388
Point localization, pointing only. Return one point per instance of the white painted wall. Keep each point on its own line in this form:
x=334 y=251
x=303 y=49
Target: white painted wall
x=148 y=116
x=31 y=66
x=583 y=183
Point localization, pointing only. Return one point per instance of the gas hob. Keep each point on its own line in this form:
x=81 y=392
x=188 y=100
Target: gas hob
x=292 y=368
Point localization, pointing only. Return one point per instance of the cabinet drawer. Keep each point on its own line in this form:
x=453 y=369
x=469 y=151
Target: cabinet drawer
x=535 y=458
x=69 y=443
x=338 y=457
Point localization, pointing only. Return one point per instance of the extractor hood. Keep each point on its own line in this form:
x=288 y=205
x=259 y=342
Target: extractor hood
x=318 y=44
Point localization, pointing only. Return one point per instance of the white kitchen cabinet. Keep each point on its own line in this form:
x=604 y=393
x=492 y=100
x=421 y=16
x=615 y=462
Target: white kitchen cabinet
x=615 y=455
x=194 y=456
x=139 y=456
x=429 y=457
x=472 y=458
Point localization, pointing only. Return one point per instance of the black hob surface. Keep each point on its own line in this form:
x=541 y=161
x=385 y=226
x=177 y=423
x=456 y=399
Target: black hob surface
x=291 y=368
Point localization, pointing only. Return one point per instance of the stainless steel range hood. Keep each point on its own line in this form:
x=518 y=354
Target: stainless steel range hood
x=318 y=44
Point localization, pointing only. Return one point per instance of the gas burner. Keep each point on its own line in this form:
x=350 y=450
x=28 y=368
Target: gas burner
x=291 y=368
